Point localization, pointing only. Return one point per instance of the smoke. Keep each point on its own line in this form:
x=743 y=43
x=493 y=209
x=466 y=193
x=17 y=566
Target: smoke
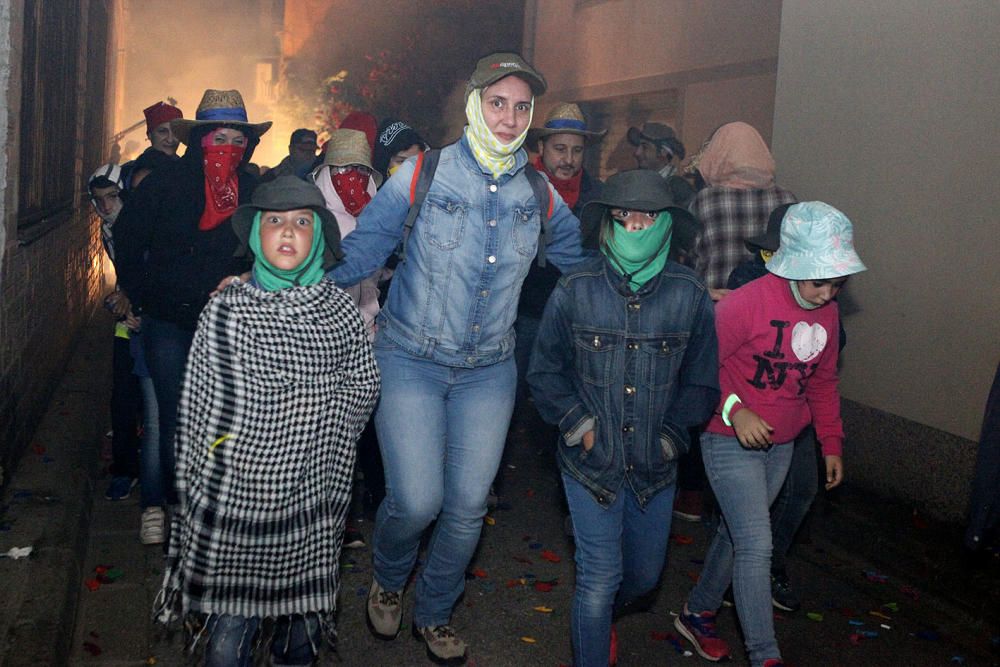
x=179 y=49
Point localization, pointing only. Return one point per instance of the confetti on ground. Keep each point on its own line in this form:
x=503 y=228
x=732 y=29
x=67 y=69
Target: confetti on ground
x=855 y=621
x=543 y=587
x=677 y=538
x=522 y=559
x=855 y=639
x=514 y=583
x=813 y=616
x=958 y=660
x=528 y=640
x=884 y=626
x=479 y=573
x=151 y=660
x=876 y=577
x=489 y=521
x=92 y=584
x=891 y=606
x=869 y=634
x=91 y=648
x=879 y=614
x=551 y=556
x=543 y=609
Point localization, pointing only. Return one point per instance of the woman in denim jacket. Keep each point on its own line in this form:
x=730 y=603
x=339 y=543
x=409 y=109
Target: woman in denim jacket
x=445 y=343
x=625 y=362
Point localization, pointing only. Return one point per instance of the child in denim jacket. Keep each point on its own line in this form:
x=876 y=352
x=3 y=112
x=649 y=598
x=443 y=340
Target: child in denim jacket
x=624 y=363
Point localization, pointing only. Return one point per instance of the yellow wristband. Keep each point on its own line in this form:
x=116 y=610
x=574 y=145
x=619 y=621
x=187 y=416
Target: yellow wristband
x=731 y=400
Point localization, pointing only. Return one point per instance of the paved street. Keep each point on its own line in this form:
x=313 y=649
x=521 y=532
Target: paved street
x=517 y=602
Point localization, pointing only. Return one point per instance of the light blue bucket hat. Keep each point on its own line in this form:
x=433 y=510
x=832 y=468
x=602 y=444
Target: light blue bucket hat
x=817 y=243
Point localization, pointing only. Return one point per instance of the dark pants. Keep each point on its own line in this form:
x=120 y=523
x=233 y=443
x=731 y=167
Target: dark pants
x=795 y=498
x=166 y=346
x=126 y=403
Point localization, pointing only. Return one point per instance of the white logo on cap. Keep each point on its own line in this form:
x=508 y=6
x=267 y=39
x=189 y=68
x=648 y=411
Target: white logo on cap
x=390 y=133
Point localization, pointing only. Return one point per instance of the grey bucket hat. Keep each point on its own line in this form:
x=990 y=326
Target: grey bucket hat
x=636 y=190
x=287 y=193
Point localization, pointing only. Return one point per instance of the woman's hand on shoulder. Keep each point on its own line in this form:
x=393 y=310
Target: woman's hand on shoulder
x=229 y=280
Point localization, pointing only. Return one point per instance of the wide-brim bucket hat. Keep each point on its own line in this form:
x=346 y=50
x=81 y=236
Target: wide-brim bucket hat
x=346 y=147
x=218 y=107
x=817 y=243
x=288 y=193
x=566 y=118
x=636 y=190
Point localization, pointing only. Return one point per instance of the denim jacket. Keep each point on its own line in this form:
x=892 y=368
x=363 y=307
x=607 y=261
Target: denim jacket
x=454 y=299
x=639 y=368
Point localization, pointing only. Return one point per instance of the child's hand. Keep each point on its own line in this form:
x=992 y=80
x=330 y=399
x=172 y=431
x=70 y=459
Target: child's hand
x=588 y=441
x=718 y=293
x=751 y=430
x=834 y=471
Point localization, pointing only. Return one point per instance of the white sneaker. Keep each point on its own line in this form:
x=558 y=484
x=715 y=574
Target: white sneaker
x=151 y=527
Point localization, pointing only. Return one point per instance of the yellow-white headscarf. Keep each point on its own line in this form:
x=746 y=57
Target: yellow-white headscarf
x=489 y=151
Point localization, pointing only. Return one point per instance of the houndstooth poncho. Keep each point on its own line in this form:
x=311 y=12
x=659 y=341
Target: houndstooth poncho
x=277 y=389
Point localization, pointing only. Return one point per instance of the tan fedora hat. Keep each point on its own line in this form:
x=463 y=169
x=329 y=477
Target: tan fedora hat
x=566 y=118
x=346 y=147
x=218 y=107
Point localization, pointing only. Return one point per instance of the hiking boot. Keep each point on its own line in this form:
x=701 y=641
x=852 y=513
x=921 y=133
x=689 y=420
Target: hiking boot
x=151 y=526
x=443 y=645
x=699 y=629
x=688 y=505
x=782 y=595
x=384 y=613
x=120 y=487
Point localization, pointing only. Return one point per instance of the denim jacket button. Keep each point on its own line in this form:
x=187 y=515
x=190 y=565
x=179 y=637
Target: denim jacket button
x=493 y=187
x=633 y=346
x=597 y=341
x=629 y=390
x=470 y=360
x=492 y=223
x=491 y=259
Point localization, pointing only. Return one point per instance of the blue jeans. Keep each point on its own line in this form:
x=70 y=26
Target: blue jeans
x=231 y=640
x=795 y=498
x=441 y=430
x=745 y=482
x=166 y=346
x=150 y=473
x=620 y=551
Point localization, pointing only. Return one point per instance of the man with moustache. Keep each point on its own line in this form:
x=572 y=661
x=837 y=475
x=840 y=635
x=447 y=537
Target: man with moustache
x=658 y=148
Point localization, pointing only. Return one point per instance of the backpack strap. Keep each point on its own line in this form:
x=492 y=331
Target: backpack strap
x=540 y=187
x=423 y=175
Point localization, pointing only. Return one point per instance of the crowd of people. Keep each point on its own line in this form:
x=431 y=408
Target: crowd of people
x=374 y=311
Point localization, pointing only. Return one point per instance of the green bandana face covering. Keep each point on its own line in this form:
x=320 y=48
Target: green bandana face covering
x=271 y=278
x=639 y=255
x=798 y=297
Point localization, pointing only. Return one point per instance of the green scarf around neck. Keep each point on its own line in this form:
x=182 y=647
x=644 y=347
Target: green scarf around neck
x=794 y=284
x=271 y=278
x=639 y=255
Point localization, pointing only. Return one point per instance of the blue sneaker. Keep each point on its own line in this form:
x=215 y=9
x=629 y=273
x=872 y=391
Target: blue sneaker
x=120 y=487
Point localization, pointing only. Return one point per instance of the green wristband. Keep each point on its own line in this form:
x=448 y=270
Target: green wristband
x=731 y=400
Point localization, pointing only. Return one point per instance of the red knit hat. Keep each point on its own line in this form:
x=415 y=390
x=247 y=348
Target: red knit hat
x=160 y=113
x=364 y=121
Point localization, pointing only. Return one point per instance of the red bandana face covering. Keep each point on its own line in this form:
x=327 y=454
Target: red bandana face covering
x=222 y=187
x=352 y=188
x=568 y=188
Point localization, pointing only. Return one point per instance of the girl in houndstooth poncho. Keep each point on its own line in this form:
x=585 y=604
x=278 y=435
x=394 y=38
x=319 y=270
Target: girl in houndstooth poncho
x=280 y=380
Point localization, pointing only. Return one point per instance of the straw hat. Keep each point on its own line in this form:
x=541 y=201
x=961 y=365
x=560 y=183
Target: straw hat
x=347 y=147
x=219 y=107
x=566 y=118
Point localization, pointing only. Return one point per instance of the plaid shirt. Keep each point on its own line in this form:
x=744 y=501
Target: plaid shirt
x=729 y=217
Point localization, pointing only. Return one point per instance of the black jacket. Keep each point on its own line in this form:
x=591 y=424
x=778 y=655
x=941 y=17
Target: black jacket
x=165 y=264
x=540 y=282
